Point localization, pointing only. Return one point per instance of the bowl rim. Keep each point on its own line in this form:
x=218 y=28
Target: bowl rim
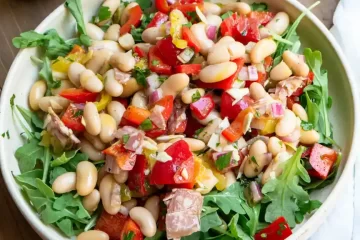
x=306 y=230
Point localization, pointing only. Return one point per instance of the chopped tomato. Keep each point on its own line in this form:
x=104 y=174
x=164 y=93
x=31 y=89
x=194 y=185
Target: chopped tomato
x=192 y=126
x=188 y=36
x=278 y=230
x=124 y=158
x=290 y=101
x=162 y=6
x=261 y=79
x=236 y=129
x=77 y=95
x=300 y=90
x=321 y=160
x=176 y=170
x=136 y=115
x=158 y=20
x=141 y=53
x=111 y=224
x=167 y=103
x=168 y=51
x=72 y=118
x=131 y=231
x=234 y=25
x=189 y=69
x=154 y=133
x=181 y=128
x=135 y=15
x=231 y=111
x=202 y=107
x=138 y=181
x=227 y=83
x=262 y=17
x=156 y=64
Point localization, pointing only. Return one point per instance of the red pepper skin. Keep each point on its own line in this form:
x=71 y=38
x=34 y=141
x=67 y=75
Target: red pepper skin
x=111 y=224
x=124 y=158
x=158 y=20
x=227 y=83
x=167 y=103
x=168 y=51
x=188 y=36
x=230 y=111
x=181 y=128
x=160 y=67
x=278 y=230
x=189 y=69
x=187 y=7
x=135 y=15
x=154 y=133
x=140 y=52
x=192 y=126
x=202 y=107
x=262 y=17
x=162 y=6
x=131 y=227
x=137 y=181
x=78 y=95
x=71 y=121
x=321 y=159
x=169 y=173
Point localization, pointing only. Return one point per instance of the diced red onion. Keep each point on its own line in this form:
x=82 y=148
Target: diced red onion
x=124 y=211
x=293 y=137
x=265 y=139
x=79 y=106
x=277 y=110
x=211 y=32
x=271 y=90
x=121 y=76
x=153 y=81
x=171 y=1
x=256 y=192
x=253 y=74
x=244 y=74
x=155 y=96
x=111 y=165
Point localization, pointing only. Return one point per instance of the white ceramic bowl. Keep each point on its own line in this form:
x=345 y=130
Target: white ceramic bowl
x=313 y=34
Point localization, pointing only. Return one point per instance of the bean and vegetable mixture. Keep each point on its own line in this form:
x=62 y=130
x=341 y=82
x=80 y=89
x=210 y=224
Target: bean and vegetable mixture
x=176 y=119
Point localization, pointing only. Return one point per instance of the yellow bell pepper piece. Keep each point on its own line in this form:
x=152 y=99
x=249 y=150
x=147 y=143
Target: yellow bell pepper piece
x=176 y=21
x=104 y=101
x=206 y=164
x=62 y=64
x=269 y=128
x=125 y=193
x=148 y=155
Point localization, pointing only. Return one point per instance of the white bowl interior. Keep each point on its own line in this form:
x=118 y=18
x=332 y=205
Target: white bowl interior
x=313 y=34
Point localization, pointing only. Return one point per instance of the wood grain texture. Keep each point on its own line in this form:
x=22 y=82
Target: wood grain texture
x=17 y=16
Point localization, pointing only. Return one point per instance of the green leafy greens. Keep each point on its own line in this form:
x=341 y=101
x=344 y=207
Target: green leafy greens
x=46 y=74
x=259 y=7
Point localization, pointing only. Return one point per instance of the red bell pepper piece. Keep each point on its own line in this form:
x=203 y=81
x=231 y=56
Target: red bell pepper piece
x=236 y=129
x=172 y=172
x=154 y=133
x=278 y=230
x=156 y=64
x=262 y=17
x=111 y=224
x=135 y=14
x=138 y=181
x=261 y=79
x=227 y=109
x=202 y=107
x=290 y=101
x=136 y=115
x=162 y=6
x=187 y=7
x=228 y=82
x=167 y=103
x=78 y=95
x=124 y=158
x=234 y=25
x=189 y=69
x=321 y=159
x=188 y=36
x=182 y=127
x=192 y=126
x=131 y=231
x=158 y=20
x=72 y=118
x=168 y=51
x=141 y=53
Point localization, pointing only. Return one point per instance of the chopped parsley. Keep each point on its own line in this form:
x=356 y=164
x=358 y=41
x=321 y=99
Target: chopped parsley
x=223 y=161
x=125 y=138
x=189 y=24
x=162 y=79
x=197 y=132
x=6 y=134
x=129 y=236
x=104 y=13
x=140 y=75
x=78 y=113
x=306 y=126
x=155 y=62
x=253 y=159
x=146 y=125
x=259 y=7
x=196 y=96
x=226 y=15
x=12 y=101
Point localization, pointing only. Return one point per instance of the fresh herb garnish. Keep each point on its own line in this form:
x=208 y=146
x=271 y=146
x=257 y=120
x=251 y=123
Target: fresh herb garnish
x=103 y=14
x=223 y=161
x=196 y=96
x=140 y=75
x=125 y=138
x=64 y=158
x=146 y=125
x=197 y=132
x=155 y=62
x=46 y=74
x=226 y=15
x=162 y=79
x=253 y=159
x=6 y=134
x=259 y=7
x=306 y=126
x=78 y=113
x=129 y=236
x=189 y=24
x=137 y=32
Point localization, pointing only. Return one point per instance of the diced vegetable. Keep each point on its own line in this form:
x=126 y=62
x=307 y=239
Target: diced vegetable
x=131 y=231
x=278 y=230
x=167 y=103
x=168 y=51
x=321 y=160
x=77 y=95
x=136 y=115
x=159 y=19
x=228 y=109
x=124 y=158
x=162 y=6
x=138 y=181
x=72 y=118
x=156 y=64
x=135 y=14
x=190 y=69
x=202 y=107
x=188 y=36
x=111 y=224
x=236 y=129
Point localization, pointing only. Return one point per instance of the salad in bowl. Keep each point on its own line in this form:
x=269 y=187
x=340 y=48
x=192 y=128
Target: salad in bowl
x=179 y=119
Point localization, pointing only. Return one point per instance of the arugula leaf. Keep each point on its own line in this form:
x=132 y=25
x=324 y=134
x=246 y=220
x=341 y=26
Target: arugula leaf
x=103 y=14
x=259 y=7
x=235 y=229
x=284 y=192
x=306 y=208
x=196 y=96
x=66 y=227
x=28 y=154
x=64 y=158
x=306 y=126
x=223 y=161
x=31 y=118
x=29 y=178
x=226 y=15
x=140 y=75
x=209 y=218
x=68 y=200
x=158 y=236
x=55 y=173
x=46 y=74
x=72 y=164
x=44 y=189
x=137 y=32
x=146 y=125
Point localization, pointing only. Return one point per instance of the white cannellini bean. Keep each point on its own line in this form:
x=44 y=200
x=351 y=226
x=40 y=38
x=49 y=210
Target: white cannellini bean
x=143 y=46
x=126 y=41
x=91 y=82
x=299 y=67
x=112 y=5
x=64 y=183
x=286 y=125
x=214 y=20
x=86 y=177
x=153 y=34
x=99 y=61
x=194 y=144
x=92 y=119
x=153 y=205
x=218 y=54
x=106 y=44
x=37 y=91
x=276 y=146
x=209 y=130
x=309 y=137
x=130 y=87
x=94 y=32
x=280 y=72
x=279 y=23
x=236 y=50
x=211 y=8
x=212 y=116
x=256 y=160
x=239 y=7
x=107 y=187
x=186 y=96
x=112 y=86
x=199 y=31
x=65 y=84
x=124 y=62
x=300 y=112
x=93 y=235
x=143 y=218
x=140 y=100
x=113 y=33
x=175 y=84
x=108 y=127
x=217 y=72
x=58 y=104
x=87 y=148
x=257 y=91
x=116 y=110
x=74 y=72
x=262 y=49
x=121 y=177
x=95 y=141
x=91 y=201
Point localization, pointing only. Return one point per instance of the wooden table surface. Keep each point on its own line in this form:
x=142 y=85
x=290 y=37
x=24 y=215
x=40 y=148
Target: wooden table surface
x=17 y=16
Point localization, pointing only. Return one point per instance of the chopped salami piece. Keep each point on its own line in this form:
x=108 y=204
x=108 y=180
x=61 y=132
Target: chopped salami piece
x=183 y=213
